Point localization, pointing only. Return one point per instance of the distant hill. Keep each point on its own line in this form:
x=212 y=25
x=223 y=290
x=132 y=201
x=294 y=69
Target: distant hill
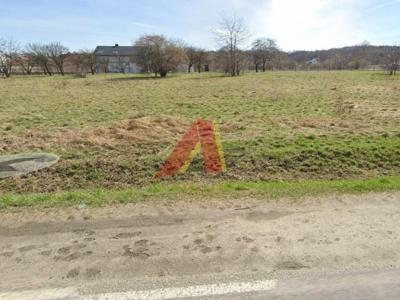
x=354 y=57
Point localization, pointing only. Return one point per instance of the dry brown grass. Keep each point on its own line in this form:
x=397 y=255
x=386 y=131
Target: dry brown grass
x=154 y=130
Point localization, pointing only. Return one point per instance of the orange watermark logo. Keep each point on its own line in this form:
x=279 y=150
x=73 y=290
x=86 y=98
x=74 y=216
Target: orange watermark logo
x=202 y=135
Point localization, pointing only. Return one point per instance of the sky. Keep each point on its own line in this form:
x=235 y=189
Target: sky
x=295 y=24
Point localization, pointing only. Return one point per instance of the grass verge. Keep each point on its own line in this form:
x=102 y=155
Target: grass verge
x=173 y=191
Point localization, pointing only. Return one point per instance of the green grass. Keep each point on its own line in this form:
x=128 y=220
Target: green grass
x=223 y=190
x=113 y=132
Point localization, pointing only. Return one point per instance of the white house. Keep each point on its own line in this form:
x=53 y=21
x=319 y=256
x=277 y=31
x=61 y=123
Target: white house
x=120 y=59
x=312 y=62
x=115 y=59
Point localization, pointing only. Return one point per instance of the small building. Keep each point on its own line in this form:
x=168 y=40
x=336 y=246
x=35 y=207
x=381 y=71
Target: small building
x=312 y=62
x=115 y=59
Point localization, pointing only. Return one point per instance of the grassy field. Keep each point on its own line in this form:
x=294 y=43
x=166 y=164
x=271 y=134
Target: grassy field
x=113 y=132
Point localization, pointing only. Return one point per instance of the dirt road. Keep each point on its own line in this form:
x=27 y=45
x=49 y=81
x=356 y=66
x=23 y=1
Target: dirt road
x=166 y=244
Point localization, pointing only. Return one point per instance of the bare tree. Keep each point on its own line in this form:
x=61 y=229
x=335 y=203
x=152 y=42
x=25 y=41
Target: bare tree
x=359 y=57
x=40 y=56
x=88 y=59
x=77 y=59
x=84 y=61
x=196 y=58
x=201 y=57
x=256 y=59
x=9 y=52
x=158 y=54
x=191 y=57
x=58 y=54
x=26 y=62
x=393 y=59
x=231 y=35
x=263 y=50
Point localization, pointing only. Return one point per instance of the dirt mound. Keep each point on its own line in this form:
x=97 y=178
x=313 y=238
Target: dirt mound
x=142 y=130
x=154 y=130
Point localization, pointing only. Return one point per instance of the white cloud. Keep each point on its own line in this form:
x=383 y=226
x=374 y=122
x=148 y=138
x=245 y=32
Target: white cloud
x=144 y=25
x=309 y=24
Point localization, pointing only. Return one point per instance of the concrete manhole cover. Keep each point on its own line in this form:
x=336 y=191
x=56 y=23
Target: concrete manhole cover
x=13 y=165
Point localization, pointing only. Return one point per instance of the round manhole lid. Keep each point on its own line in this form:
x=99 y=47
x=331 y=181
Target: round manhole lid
x=18 y=164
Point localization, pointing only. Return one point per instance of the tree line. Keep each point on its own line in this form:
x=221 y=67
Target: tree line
x=49 y=58
x=160 y=55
